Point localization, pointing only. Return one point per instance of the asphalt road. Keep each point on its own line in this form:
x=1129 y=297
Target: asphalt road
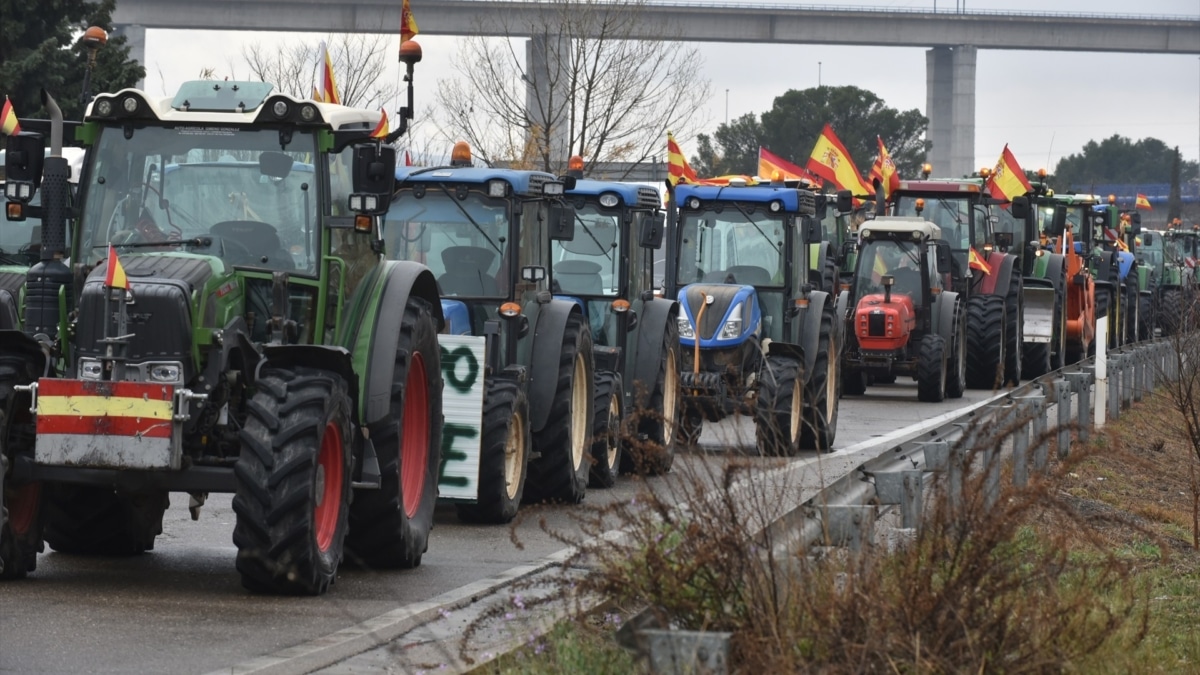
x=182 y=609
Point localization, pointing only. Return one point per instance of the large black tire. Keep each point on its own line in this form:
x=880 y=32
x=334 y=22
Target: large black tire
x=389 y=527
x=1132 y=305
x=560 y=473
x=88 y=520
x=1171 y=310
x=985 y=341
x=21 y=526
x=292 y=482
x=1014 y=328
x=1145 y=316
x=607 y=438
x=931 y=369
x=956 y=373
x=659 y=414
x=504 y=455
x=823 y=388
x=854 y=383
x=829 y=279
x=779 y=409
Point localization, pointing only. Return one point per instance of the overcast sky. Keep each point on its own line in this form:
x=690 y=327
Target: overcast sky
x=1020 y=97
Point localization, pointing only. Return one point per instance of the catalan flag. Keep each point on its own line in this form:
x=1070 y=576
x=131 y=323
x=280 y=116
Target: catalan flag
x=8 y=119
x=678 y=170
x=1143 y=203
x=408 y=24
x=329 y=92
x=116 y=273
x=976 y=261
x=381 y=129
x=769 y=164
x=884 y=170
x=1008 y=180
x=830 y=160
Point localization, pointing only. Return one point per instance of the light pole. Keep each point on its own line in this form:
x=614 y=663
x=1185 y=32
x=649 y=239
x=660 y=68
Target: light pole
x=93 y=38
x=818 y=73
x=726 y=106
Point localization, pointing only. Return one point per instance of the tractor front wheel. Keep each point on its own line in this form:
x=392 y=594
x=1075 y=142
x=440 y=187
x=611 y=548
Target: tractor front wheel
x=504 y=455
x=20 y=503
x=778 y=414
x=659 y=415
x=985 y=341
x=824 y=389
x=560 y=473
x=931 y=369
x=607 y=439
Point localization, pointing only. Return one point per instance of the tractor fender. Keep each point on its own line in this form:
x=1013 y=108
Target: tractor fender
x=655 y=321
x=17 y=343
x=9 y=317
x=946 y=304
x=1054 y=271
x=810 y=330
x=402 y=281
x=547 y=348
x=997 y=282
x=336 y=359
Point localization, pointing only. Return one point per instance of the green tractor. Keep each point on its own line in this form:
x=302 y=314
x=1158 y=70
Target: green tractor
x=226 y=323
x=1176 y=292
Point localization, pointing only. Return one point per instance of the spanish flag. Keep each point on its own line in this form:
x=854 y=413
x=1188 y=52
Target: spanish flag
x=830 y=160
x=329 y=92
x=1008 y=179
x=381 y=129
x=976 y=261
x=1143 y=203
x=116 y=273
x=678 y=170
x=408 y=25
x=9 y=125
x=769 y=164
x=884 y=170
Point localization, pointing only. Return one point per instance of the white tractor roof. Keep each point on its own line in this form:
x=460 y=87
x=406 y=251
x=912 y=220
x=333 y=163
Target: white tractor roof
x=901 y=225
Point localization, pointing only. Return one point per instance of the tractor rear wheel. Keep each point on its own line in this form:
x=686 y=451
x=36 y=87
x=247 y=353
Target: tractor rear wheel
x=560 y=473
x=21 y=522
x=1014 y=329
x=779 y=409
x=854 y=383
x=89 y=520
x=985 y=341
x=1171 y=311
x=931 y=369
x=389 y=527
x=504 y=455
x=607 y=439
x=292 y=477
x=659 y=415
x=956 y=375
x=823 y=389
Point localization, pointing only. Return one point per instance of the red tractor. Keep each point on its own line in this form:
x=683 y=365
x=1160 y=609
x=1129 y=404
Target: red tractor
x=902 y=316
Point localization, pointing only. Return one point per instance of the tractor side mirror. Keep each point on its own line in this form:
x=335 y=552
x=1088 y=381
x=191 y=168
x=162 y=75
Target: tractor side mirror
x=23 y=157
x=651 y=234
x=1058 y=224
x=561 y=217
x=1019 y=208
x=1003 y=240
x=275 y=164
x=1148 y=239
x=374 y=176
x=845 y=201
x=945 y=260
x=810 y=229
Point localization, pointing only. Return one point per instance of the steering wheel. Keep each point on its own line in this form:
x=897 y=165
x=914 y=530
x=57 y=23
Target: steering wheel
x=143 y=225
x=237 y=253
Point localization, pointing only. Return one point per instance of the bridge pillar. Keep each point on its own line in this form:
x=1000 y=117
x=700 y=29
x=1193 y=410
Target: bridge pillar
x=950 y=107
x=135 y=37
x=547 y=101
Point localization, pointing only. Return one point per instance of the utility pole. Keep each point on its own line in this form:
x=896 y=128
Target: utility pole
x=818 y=73
x=726 y=106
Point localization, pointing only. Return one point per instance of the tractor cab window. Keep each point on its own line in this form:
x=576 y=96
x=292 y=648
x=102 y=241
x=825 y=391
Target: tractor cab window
x=463 y=241
x=222 y=191
x=589 y=264
x=898 y=259
x=951 y=214
x=732 y=247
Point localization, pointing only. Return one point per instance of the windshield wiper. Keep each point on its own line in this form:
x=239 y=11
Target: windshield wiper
x=589 y=233
x=195 y=241
x=468 y=215
x=770 y=241
x=7 y=258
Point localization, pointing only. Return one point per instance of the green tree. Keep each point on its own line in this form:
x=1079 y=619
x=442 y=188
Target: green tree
x=739 y=141
x=1118 y=159
x=790 y=129
x=40 y=48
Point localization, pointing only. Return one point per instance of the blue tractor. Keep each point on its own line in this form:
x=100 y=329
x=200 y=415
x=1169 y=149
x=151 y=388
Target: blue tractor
x=758 y=337
x=487 y=235
x=606 y=269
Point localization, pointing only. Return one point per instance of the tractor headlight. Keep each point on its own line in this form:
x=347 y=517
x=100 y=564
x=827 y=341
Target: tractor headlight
x=280 y=109
x=104 y=108
x=167 y=373
x=90 y=369
x=733 y=325
x=609 y=200
x=685 y=328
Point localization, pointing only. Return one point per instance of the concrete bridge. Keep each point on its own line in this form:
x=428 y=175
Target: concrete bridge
x=952 y=39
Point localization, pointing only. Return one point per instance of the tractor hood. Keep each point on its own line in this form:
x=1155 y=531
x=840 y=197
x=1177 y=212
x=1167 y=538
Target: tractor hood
x=732 y=316
x=881 y=325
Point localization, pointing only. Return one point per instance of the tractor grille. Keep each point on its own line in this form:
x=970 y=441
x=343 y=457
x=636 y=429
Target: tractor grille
x=875 y=325
x=160 y=320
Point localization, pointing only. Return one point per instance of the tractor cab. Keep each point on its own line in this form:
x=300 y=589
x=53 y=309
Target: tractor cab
x=959 y=208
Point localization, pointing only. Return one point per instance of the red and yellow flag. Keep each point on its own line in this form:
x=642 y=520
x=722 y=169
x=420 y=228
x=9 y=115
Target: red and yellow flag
x=769 y=164
x=830 y=160
x=884 y=170
x=678 y=170
x=408 y=25
x=9 y=125
x=976 y=261
x=116 y=273
x=1143 y=203
x=381 y=129
x=1008 y=179
x=329 y=92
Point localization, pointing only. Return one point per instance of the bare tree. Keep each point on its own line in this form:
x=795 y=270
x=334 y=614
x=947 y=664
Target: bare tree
x=584 y=85
x=359 y=65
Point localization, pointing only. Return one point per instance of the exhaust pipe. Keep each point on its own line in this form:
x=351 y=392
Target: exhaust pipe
x=46 y=279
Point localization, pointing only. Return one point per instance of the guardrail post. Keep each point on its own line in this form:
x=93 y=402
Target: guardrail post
x=848 y=525
x=1128 y=362
x=680 y=652
x=1026 y=409
x=1062 y=393
x=1082 y=384
x=1114 y=393
x=1003 y=417
x=941 y=457
x=904 y=489
x=1102 y=394
x=1140 y=376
